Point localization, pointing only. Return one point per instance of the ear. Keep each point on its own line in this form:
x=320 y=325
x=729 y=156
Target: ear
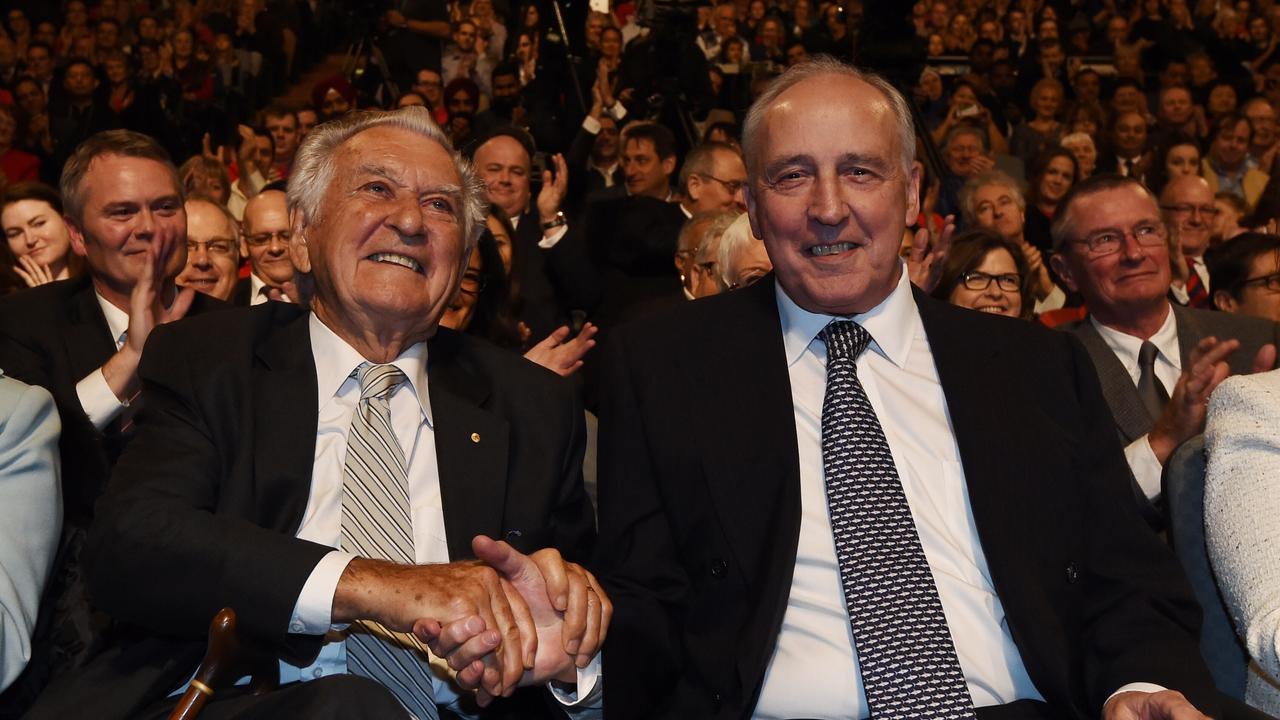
x=1225 y=302
x=1060 y=266
x=668 y=165
x=75 y=234
x=693 y=189
x=749 y=195
x=299 y=252
x=913 y=195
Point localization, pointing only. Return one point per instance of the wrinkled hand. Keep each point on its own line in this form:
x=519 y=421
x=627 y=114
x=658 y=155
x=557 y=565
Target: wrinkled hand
x=426 y=598
x=288 y=292
x=32 y=272
x=928 y=249
x=554 y=187
x=569 y=608
x=982 y=163
x=1165 y=705
x=1184 y=414
x=561 y=355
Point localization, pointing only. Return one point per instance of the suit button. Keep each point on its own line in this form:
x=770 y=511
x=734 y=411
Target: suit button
x=513 y=535
x=715 y=702
x=718 y=568
x=1073 y=572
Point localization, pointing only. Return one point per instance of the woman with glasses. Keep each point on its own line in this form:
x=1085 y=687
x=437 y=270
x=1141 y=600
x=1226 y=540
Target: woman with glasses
x=38 y=250
x=987 y=273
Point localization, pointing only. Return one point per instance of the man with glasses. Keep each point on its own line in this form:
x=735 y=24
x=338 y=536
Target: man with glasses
x=1157 y=361
x=266 y=243
x=712 y=178
x=1188 y=210
x=213 y=249
x=1246 y=271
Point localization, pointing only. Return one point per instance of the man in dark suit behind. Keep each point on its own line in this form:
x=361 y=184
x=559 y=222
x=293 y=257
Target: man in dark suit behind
x=716 y=532
x=82 y=339
x=1157 y=361
x=269 y=472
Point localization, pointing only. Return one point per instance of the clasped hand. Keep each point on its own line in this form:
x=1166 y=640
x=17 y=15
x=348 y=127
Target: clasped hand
x=558 y=619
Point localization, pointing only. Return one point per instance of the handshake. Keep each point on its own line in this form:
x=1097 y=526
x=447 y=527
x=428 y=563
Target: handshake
x=502 y=621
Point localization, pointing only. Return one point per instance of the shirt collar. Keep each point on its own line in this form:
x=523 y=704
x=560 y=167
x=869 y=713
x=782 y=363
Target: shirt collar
x=117 y=319
x=1126 y=346
x=892 y=324
x=336 y=359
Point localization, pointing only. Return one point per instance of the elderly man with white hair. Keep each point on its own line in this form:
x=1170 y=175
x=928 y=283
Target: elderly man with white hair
x=741 y=258
x=334 y=473
x=1081 y=145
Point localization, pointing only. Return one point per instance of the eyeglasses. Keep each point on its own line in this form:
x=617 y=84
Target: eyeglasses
x=260 y=239
x=1208 y=211
x=733 y=186
x=1108 y=242
x=978 y=281
x=1269 y=282
x=747 y=281
x=213 y=247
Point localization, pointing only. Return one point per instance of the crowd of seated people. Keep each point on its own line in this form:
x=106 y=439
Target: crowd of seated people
x=1108 y=170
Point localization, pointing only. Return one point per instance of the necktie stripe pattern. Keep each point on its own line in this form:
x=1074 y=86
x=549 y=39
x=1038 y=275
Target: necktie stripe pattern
x=1197 y=293
x=376 y=524
x=907 y=659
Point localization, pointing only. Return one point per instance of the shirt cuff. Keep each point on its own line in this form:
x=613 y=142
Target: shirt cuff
x=313 y=614
x=1136 y=687
x=584 y=698
x=97 y=400
x=549 y=241
x=1180 y=293
x=1053 y=301
x=591 y=125
x=1145 y=467
x=618 y=111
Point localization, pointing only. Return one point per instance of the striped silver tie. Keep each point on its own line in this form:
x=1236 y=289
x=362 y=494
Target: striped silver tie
x=376 y=524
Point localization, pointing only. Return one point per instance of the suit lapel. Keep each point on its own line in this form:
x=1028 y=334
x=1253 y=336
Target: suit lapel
x=284 y=397
x=471 y=447
x=1121 y=394
x=1190 y=333
x=87 y=337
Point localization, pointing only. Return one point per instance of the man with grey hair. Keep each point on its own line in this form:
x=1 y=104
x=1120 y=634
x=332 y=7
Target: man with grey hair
x=307 y=468
x=704 y=271
x=993 y=200
x=741 y=258
x=1156 y=361
x=82 y=339
x=711 y=178
x=807 y=494
x=693 y=235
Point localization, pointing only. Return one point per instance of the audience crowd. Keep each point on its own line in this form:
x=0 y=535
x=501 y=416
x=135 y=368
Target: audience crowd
x=1108 y=168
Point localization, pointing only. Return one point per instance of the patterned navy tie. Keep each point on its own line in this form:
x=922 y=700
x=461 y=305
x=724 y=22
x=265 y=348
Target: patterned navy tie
x=908 y=662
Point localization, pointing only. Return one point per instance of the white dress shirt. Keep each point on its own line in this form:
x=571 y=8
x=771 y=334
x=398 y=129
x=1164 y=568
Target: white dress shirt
x=338 y=397
x=96 y=398
x=256 y=287
x=815 y=649
x=1142 y=459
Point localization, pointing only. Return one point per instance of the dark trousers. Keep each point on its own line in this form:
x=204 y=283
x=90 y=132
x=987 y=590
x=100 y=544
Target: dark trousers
x=338 y=697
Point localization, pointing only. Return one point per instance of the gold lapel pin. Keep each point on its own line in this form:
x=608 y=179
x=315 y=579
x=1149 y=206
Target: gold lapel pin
x=475 y=437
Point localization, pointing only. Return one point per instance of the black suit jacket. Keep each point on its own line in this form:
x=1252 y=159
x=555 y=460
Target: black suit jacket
x=53 y=336
x=206 y=502
x=700 y=511
x=242 y=296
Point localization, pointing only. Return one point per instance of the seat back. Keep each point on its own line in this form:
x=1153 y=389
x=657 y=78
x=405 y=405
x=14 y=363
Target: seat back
x=1184 y=508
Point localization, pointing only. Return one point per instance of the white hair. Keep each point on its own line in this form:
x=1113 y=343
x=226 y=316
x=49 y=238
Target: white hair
x=735 y=239
x=314 y=165
x=817 y=66
x=1076 y=138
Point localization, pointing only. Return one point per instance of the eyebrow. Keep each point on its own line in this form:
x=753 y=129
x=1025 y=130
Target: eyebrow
x=381 y=171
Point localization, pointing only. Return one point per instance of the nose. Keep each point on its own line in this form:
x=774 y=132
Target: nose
x=1131 y=248
x=277 y=246
x=740 y=199
x=406 y=217
x=145 y=227
x=826 y=205
x=199 y=257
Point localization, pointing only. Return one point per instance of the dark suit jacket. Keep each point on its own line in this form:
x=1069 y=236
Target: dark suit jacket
x=1131 y=417
x=243 y=294
x=53 y=336
x=700 y=511
x=205 y=504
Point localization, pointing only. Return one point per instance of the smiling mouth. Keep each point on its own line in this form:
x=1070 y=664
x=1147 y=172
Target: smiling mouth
x=992 y=309
x=403 y=261
x=832 y=249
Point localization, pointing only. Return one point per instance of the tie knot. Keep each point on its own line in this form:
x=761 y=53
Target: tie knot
x=377 y=381
x=1147 y=354
x=845 y=339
